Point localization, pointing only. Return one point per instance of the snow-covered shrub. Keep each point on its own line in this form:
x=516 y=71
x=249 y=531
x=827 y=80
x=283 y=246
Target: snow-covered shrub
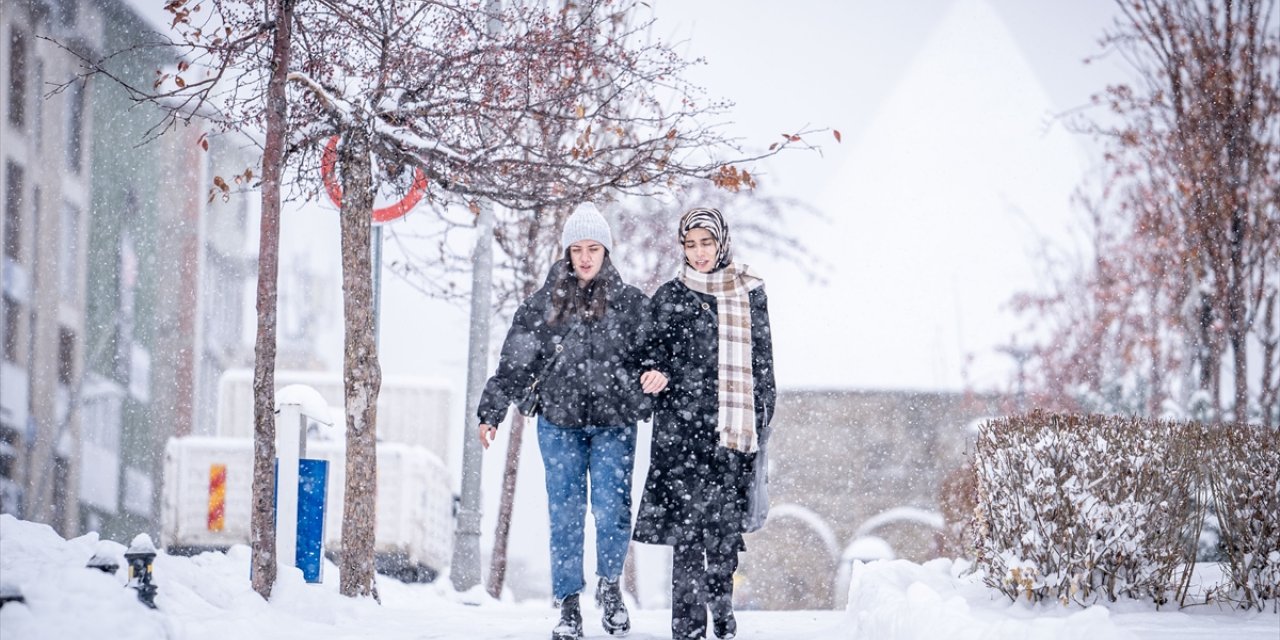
x=1078 y=508
x=1242 y=468
x=957 y=499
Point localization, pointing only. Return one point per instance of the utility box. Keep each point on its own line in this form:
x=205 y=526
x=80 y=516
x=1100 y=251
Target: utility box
x=207 y=490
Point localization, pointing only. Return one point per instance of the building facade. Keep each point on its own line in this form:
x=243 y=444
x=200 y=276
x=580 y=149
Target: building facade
x=123 y=280
x=46 y=186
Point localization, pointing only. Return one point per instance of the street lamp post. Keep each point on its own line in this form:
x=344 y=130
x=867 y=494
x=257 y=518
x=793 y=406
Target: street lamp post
x=465 y=571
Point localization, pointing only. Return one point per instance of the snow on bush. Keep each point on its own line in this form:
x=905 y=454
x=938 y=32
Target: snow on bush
x=1078 y=508
x=1242 y=469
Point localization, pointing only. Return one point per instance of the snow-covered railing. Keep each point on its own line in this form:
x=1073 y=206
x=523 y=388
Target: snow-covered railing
x=916 y=515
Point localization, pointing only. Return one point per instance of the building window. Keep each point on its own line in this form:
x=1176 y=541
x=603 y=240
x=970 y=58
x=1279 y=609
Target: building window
x=9 y=447
x=10 y=490
x=12 y=316
x=61 y=494
x=127 y=261
x=75 y=125
x=100 y=427
x=66 y=355
x=37 y=111
x=69 y=250
x=67 y=12
x=17 y=78
x=13 y=210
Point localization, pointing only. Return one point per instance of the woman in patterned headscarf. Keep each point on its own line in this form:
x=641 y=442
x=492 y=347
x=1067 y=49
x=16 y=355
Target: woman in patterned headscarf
x=712 y=339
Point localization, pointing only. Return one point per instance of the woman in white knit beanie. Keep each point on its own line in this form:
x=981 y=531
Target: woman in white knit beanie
x=573 y=357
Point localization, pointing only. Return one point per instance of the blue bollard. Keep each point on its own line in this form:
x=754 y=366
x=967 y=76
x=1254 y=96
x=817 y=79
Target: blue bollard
x=313 y=483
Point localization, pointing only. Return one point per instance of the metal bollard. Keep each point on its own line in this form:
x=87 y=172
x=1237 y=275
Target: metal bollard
x=140 y=556
x=301 y=483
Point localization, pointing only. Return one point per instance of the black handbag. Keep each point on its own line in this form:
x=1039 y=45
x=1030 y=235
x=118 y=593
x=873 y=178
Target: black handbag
x=758 y=492
x=529 y=404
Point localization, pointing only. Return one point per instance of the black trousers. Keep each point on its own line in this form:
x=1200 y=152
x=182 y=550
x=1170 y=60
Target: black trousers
x=701 y=578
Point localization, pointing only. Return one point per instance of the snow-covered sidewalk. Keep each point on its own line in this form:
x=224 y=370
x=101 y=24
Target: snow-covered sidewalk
x=207 y=597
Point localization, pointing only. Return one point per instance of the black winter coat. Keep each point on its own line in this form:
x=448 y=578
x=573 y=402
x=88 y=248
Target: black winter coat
x=695 y=487
x=595 y=379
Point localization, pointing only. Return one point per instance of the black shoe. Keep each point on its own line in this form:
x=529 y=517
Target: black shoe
x=725 y=626
x=570 y=626
x=616 y=620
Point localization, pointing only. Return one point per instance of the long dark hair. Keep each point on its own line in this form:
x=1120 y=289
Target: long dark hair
x=570 y=299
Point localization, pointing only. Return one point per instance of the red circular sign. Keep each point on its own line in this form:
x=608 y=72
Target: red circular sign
x=328 y=162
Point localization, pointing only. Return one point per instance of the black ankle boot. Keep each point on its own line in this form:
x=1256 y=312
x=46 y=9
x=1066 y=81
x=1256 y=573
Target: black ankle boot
x=615 y=619
x=570 y=626
x=724 y=625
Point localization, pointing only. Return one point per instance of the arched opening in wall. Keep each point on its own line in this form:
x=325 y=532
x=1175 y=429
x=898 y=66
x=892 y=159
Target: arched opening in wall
x=913 y=533
x=914 y=541
x=787 y=566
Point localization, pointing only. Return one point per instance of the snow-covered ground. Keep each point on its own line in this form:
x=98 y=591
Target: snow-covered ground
x=208 y=596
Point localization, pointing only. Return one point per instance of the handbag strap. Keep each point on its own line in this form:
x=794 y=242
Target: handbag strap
x=546 y=368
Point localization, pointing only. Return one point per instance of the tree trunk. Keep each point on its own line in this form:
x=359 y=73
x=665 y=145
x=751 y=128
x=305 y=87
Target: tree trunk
x=262 y=538
x=1236 y=324
x=362 y=376
x=1156 y=398
x=506 y=503
x=498 y=564
x=1270 y=394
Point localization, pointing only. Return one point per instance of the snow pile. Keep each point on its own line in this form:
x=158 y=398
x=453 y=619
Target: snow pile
x=64 y=598
x=901 y=600
x=205 y=596
x=944 y=599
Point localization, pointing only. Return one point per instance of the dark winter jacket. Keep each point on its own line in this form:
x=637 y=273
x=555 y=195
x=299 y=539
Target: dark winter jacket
x=695 y=487
x=595 y=379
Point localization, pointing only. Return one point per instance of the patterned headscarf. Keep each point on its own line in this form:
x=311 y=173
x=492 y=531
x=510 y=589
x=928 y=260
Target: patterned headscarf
x=731 y=286
x=713 y=222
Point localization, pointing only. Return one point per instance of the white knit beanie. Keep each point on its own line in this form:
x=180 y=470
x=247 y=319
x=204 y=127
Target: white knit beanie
x=586 y=223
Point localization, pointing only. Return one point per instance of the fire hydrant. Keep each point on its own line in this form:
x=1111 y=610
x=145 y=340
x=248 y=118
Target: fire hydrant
x=140 y=555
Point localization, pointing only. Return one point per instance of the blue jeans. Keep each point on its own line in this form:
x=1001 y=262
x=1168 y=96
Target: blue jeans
x=570 y=455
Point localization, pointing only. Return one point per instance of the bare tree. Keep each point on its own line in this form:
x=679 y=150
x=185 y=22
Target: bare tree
x=1187 y=229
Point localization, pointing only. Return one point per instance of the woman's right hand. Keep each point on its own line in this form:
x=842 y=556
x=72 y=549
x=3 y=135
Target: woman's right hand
x=487 y=433
x=653 y=382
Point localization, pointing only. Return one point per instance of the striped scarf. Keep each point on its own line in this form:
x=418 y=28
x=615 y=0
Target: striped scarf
x=731 y=286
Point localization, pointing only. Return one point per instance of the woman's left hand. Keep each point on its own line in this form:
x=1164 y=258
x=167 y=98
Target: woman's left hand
x=653 y=382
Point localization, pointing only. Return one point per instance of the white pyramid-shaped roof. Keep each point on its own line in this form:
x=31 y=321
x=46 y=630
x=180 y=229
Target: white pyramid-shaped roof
x=934 y=216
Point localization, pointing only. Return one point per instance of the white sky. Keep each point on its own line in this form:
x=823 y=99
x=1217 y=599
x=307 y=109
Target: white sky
x=951 y=168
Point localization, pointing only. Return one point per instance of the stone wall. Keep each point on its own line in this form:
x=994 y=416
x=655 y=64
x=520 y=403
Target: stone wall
x=838 y=458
